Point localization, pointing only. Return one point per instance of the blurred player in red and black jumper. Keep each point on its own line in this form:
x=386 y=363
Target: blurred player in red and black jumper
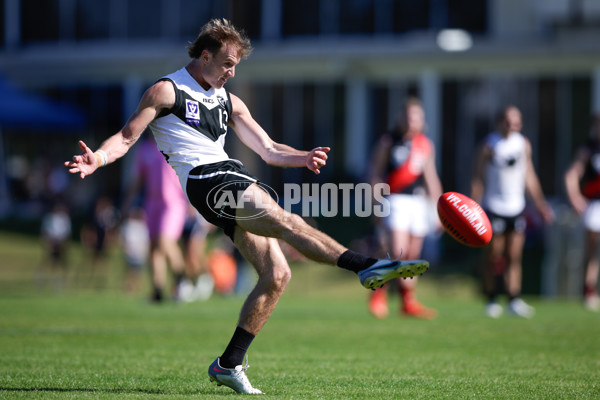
x=582 y=180
x=404 y=158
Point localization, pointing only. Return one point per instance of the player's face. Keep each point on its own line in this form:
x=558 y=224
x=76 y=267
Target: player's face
x=513 y=120
x=415 y=116
x=220 y=66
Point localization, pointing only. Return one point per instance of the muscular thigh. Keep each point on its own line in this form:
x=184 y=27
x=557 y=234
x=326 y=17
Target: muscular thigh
x=263 y=253
x=514 y=245
x=260 y=214
x=497 y=246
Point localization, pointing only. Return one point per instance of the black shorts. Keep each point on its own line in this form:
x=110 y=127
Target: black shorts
x=502 y=224
x=214 y=188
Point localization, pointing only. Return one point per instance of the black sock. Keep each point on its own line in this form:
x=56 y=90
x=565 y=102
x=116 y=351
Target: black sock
x=157 y=295
x=178 y=277
x=354 y=261
x=236 y=349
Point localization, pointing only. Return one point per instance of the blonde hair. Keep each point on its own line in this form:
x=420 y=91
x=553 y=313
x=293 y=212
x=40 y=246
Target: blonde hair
x=214 y=34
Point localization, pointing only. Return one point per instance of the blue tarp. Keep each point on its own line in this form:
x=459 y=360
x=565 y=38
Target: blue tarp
x=19 y=109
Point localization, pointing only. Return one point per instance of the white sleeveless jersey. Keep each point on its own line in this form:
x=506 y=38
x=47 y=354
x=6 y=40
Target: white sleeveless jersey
x=192 y=133
x=505 y=175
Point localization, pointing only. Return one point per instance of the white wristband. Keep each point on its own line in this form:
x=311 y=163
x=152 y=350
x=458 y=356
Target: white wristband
x=103 y=157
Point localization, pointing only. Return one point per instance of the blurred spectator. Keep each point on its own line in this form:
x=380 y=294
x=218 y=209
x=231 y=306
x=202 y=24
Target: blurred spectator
x=198 y=284
x=136 y=245
x=504 y=174
x=98 y=235
x=55 y=234
x=582 y=181
x=166 y=208
x=57 y=182
x=17 y=169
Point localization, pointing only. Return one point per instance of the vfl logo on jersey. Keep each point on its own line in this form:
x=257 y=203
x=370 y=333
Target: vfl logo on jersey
x=221 y=101
x=192 y=112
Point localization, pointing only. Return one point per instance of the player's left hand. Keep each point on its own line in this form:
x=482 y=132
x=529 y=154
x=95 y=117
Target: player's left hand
x=317 y=158
x=84 y=164
x=547 y=214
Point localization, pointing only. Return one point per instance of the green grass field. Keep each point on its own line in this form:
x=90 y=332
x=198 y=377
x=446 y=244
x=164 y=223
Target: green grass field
x=320 y=343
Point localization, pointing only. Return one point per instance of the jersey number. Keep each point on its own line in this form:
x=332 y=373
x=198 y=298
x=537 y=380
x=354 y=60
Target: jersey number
x=223 y=119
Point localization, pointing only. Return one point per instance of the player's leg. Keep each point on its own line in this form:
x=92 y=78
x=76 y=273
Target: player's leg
x=514 y=254
x=273 y=271
x=158 y=263
x=278 y=223
x=256 y=212
x=492 y=273
x=399 y=241
x=275 y=222
x=592 y=266
x=273 y=275
x=407 y=287
x=194 y=255
x=172 y=222
x=408 y=241
x=514 y=274
x=174 y=256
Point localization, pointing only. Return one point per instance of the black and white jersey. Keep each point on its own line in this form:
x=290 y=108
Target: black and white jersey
x=192 y=133
x=505 y=174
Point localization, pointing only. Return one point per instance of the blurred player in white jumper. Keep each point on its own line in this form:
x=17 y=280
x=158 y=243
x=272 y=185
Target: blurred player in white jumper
x=582 y=181
x=504 y=174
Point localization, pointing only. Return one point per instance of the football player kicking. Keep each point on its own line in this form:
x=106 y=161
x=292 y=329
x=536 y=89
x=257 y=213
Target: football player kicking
x=188 y=112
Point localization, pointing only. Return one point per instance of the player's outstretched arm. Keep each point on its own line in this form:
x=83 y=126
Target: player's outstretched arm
x=159 y=96
x=273 y=153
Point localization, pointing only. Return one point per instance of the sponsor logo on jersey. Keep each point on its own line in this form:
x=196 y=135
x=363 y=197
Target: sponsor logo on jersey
x=192 y=112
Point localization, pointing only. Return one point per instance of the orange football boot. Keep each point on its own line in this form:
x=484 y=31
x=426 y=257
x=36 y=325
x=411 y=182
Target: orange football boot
x=378 y=305
x=413 y=308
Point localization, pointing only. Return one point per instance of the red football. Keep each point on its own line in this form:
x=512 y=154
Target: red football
x=464 y=219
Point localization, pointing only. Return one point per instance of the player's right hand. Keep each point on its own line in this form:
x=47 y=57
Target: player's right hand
x=84 y=164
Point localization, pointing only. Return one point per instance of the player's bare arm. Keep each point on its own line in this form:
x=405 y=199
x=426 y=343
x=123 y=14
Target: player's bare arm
x=477 y=184
x=534 y=188
x=273 y=153
x=380 y=159
x=161 y=95
x=573 y=177
x=432 y=180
